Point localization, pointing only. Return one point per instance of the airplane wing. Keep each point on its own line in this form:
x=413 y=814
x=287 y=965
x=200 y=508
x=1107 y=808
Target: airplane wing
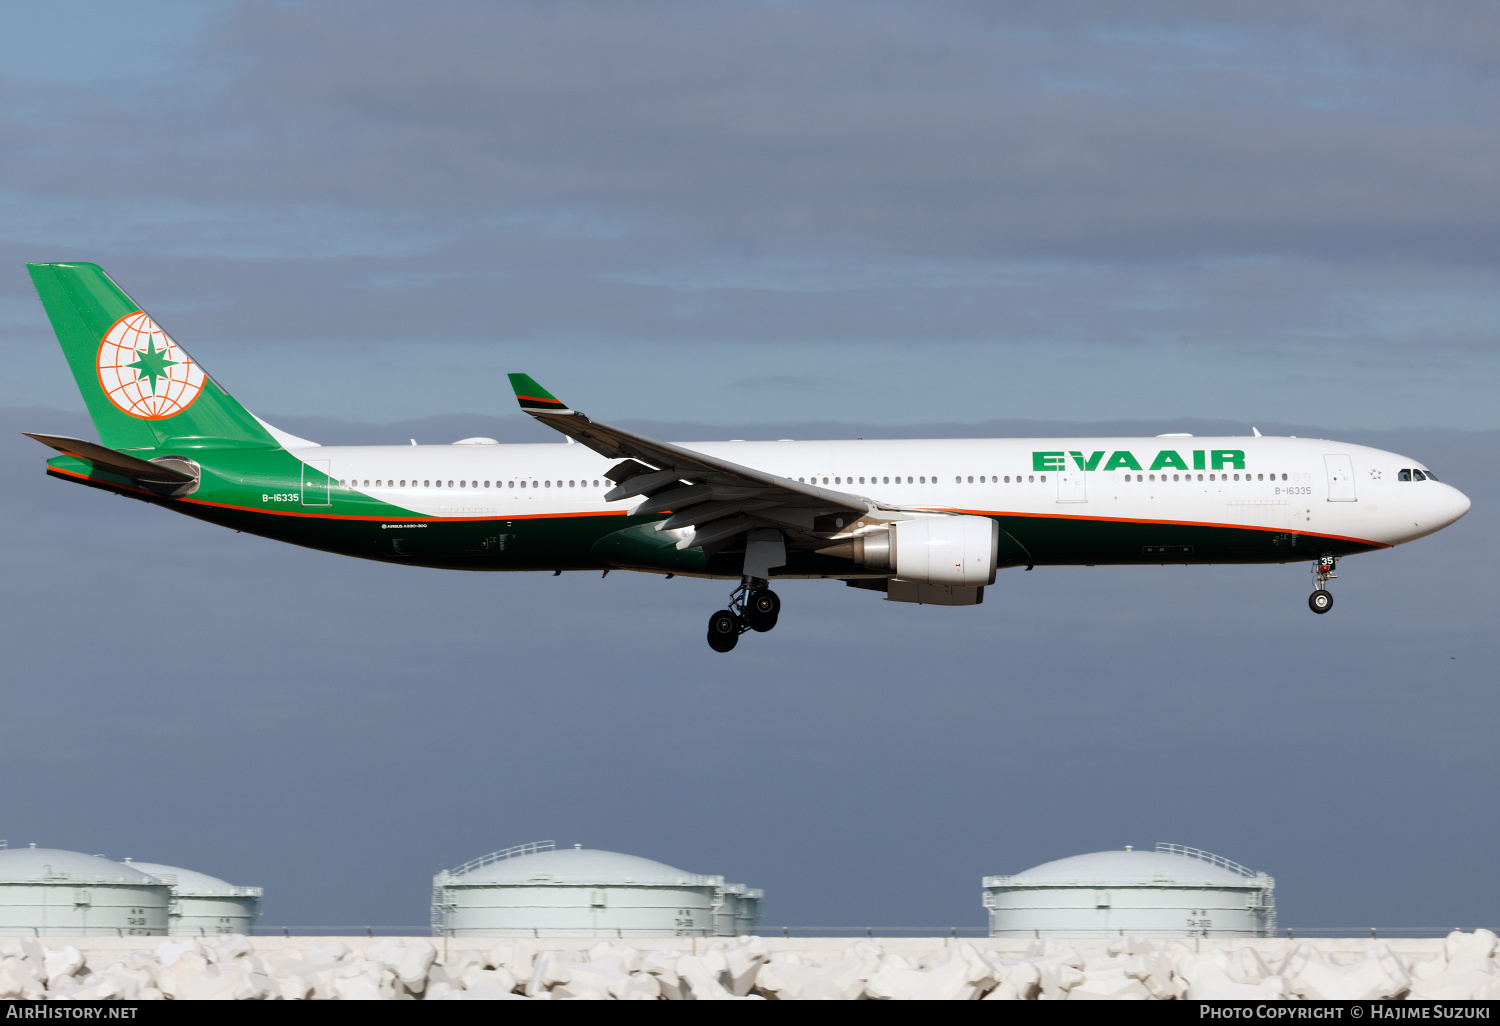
x=716 y=498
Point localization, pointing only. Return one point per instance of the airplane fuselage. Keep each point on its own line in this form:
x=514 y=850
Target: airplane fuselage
x=1058 y=501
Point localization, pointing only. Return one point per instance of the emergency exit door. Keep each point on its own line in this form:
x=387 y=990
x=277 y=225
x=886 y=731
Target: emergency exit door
x=315 y=482
x=1071 y=487
x=1340 y=478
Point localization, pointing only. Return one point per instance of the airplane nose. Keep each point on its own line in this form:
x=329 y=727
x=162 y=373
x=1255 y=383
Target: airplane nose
x=1458 y=504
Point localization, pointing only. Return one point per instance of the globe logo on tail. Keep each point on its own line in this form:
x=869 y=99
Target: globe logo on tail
x=144 y=372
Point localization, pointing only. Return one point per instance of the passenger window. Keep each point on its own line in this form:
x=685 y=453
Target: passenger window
x=570 y=484
x=1029 y=477
x=921 y=480
x=885 y=480
x=1153 y=477
x=1044 y=479
x=1236 y=477
x=426 y=484
x=1260 y=477
x=1175 y=477
x=825 y=480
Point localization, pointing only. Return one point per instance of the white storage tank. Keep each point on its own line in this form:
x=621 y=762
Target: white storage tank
x=740 y=913
x=539 y=890
x=1173 y=891
x=49 y=892
x=203 y=905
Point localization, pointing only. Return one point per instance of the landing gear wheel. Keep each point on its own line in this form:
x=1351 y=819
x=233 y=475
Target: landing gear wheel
x=723 y=631
x=762 y=610
x=1320 y=601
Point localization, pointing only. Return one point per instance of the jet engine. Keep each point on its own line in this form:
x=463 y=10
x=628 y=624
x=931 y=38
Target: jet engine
x=960 y=551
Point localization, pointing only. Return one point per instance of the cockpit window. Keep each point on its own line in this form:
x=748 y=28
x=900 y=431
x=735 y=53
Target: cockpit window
x=1430 y=475
x=1417 y=475
x=1404 y=475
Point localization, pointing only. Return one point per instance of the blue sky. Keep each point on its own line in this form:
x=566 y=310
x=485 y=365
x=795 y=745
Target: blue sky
x=871 y=216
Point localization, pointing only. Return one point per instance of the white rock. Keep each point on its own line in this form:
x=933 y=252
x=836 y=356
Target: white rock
x=610 y=955
x=412 y=964
x=952 y=974
x=743 y=960
x=230 y=948
x=789 y=977
x=637 y=987
x=363 y=981
x=61 y=965
x=518 y=956
x=474 y=977
x=589 y=982
x=1378 y=975
x=168 y=952
x=663 y=965
x=701 y=975
x=19 y=982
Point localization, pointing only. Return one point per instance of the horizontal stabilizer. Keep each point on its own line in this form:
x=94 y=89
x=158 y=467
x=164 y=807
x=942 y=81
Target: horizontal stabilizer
x=112 y=458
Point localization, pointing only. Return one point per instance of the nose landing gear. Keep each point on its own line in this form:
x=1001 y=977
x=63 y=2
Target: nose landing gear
x=1321 y=600
x=752 y=607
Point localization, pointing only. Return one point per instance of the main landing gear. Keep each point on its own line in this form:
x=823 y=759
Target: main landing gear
x=1321 y=600
x=752 y=607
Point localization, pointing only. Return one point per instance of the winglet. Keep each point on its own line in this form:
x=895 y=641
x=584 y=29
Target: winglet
x=533 y=397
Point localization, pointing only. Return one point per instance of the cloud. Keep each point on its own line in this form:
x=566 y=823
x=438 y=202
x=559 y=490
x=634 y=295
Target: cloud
x=956 y=131
x=819 y=185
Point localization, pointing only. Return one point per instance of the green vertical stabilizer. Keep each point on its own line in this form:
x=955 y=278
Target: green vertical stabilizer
x=142 y=390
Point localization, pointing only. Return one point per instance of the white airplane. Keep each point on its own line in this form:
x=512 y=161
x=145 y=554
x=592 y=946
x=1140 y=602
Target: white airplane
x=926 y=521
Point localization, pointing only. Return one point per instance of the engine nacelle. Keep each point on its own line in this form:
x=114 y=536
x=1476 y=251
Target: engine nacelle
x=958 y=551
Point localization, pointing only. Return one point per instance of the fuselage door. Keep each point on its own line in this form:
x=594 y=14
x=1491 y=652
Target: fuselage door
x=1071 y=487
x=1340 y=478
x=315 y=475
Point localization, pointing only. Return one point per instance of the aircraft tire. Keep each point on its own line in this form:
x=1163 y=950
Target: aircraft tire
x=723 y=631
x=763 y=610
x=1320 y=601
